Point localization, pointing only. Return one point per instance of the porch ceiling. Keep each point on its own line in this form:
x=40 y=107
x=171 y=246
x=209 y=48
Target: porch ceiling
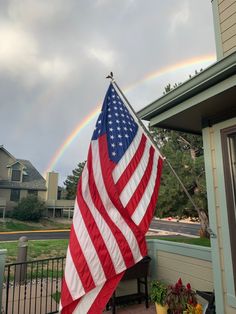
x=205 y=113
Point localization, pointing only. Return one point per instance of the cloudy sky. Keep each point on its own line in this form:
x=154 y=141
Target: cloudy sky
x=54 y=56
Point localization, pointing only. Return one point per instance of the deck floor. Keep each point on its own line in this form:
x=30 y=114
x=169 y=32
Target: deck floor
x=137 y=309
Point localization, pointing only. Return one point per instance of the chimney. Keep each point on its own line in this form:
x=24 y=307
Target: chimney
x=52 y=185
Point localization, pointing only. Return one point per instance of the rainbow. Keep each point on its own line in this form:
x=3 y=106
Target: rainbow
x=60 y=151
x=150 y=76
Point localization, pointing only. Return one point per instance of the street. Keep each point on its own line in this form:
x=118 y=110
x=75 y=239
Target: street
x=178 y=227
x=187 y=229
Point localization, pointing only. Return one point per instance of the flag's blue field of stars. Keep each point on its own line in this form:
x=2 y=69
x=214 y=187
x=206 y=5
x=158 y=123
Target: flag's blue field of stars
x=117 y=123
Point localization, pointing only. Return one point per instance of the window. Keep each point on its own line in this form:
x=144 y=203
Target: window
x=33 y=192
x=16 y=175
x=15 y=195
x=228 y=137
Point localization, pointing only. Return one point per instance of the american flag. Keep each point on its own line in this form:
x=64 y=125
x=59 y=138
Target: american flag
x=116 y=198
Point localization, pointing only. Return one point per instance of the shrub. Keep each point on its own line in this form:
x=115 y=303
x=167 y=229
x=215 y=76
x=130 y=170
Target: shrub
x=158 y=292
x=29 y=208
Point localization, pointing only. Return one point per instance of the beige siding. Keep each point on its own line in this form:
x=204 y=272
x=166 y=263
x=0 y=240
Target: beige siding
x=60 y=203
x=231 y=33
x=227 y=19
x=224 y=4
x=5 y=194
x=23 y=193
x=230 y=44
x=230 y=51
x=42 y=195
x=5 y=160
x=171 y=266
x=229 y=22
x=228 y=12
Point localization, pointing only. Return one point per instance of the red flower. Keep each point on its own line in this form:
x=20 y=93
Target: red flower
x=180 y=282
x=188 y=286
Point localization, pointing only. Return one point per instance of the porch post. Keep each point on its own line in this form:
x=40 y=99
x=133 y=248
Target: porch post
x=21 y=269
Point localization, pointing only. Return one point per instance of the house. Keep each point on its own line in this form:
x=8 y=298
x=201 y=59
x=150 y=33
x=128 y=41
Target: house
x=19 y=178
x=206 y=104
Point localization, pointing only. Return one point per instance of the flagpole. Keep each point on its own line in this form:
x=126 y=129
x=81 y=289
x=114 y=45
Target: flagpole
x=153 y=142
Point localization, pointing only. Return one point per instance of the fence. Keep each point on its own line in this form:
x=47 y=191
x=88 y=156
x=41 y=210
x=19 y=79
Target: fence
x=33 y=287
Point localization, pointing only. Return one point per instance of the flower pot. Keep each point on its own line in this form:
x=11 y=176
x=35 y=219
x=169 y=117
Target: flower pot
x=161 y=309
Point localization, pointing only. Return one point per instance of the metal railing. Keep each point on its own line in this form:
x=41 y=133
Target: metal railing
x=33 y=286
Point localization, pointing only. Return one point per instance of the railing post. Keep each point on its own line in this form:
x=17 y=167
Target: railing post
x=21 y=270
x=2 y=267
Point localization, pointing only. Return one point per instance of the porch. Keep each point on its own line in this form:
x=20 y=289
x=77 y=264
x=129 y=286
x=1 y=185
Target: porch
x=39 y=288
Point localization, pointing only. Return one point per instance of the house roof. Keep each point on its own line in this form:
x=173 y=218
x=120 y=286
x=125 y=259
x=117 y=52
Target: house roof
x=33 y=180
x=7 y=152
x=207 y=98
x=15 y=162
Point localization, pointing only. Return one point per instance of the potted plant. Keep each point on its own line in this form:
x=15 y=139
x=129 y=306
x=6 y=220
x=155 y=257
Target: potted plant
x=182 y=299
x=158 y=295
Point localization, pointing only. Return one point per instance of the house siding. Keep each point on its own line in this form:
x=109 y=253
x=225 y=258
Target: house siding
x=227 y=20
x=171 y=260
x=170 y=267
x=5 y=194
x=42 y=195
x=220 y=243
x=5 y=160
x=23 y=193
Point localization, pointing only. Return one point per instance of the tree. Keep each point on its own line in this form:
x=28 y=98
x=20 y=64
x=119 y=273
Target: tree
x=72 y=180
x=185 y=153
x=29 y=208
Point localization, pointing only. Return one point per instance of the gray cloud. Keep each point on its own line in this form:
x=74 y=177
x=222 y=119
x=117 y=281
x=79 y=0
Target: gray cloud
x=54 y=56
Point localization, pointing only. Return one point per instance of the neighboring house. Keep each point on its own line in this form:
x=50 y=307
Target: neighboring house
x=206 y=104
x=18 y=179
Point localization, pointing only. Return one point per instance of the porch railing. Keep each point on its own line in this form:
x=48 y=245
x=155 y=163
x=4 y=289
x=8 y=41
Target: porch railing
x=33 y=286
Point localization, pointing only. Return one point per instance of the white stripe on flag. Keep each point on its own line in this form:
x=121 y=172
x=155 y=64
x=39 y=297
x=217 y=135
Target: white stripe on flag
x=111 y=210
x=87 y=247
x=136 y=177
x=72 y=278
x=125 y=160
x=145 y=200
x=105 y=231
x=87 y=301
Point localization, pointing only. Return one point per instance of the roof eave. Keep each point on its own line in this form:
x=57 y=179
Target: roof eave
x=214 y=74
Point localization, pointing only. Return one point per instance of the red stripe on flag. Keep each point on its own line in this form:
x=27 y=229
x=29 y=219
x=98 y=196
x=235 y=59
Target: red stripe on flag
x=121 y=240
x=140 y=189
x=80 y=262
x=95 y=235
x=113 y=194
x=66 y=300
x=145 y=222
x=124 y=178
x=105 y=294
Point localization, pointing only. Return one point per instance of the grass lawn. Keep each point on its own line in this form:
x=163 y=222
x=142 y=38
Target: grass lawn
x=194 y=241
x=43 y=224
x=38 y=249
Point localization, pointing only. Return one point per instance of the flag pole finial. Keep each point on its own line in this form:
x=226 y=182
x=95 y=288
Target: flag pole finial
x=110 y=76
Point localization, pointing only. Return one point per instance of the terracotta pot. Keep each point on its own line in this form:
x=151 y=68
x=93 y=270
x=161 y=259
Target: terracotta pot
x=161 y=309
